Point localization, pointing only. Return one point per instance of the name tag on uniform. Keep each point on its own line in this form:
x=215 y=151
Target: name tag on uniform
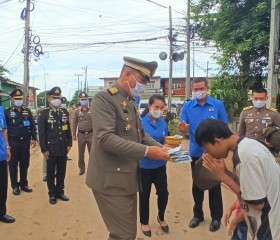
x=64 y=127
x=26 y=123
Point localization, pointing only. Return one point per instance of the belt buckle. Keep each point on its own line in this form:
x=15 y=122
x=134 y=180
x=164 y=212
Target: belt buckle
x=86 y=132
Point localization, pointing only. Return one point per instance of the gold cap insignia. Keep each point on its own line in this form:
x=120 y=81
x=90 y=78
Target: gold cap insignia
x=56 y=91
x=18 y=93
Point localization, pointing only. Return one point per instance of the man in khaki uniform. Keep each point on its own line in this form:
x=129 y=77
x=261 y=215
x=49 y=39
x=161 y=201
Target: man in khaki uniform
x=119 y=142
x=254 y=119
x=82 y=122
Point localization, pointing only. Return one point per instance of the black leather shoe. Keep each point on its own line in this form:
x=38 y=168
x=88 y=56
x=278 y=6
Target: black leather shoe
x=215 y=225
x=164 y=228
x=195 y=222
x=44 y=178
x=81 y=172
x=16 y=191
x=52 y=200
x=146 y=233
x=7 y=219
x=26 y=188
x=63 y=197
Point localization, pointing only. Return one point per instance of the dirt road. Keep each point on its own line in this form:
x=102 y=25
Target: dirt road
x=80 y=219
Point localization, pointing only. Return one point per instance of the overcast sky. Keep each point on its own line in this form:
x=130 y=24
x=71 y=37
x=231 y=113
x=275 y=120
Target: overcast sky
x=75 y=34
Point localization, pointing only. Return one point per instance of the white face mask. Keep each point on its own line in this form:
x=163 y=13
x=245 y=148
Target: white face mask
x=63 y=105
x=138 y=90
x=56 y=102
x=156 y=113
x=18 y=103
x=259 y=104
x=199 y=94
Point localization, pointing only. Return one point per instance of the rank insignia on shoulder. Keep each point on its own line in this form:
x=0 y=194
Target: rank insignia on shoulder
x=112 y=90
x=248 y=108
x=272 y=109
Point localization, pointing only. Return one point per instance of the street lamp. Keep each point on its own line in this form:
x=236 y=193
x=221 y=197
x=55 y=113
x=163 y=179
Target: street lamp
x=45 y=104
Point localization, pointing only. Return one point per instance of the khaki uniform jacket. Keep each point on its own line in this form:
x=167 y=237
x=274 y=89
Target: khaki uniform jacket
x=253 y=120
x=118 y=143
x=82 y=121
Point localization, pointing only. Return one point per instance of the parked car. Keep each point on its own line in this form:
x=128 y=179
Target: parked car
x=142 y=105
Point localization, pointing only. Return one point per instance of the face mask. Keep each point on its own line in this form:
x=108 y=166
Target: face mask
x=63 y=105
x=156 y=113
x=138 y=90
x=18 y=103
x=259 y=104
x=56 y=102
x=84 y=102
x=199 y=94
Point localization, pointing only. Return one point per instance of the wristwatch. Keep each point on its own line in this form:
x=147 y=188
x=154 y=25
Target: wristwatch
x=8 y=147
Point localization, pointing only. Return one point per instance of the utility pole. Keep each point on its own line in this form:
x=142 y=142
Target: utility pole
x=188 y=55
x=207 y=70
x=26 y=55
x=274 y=55
x=170 y=60
x=78 y=75
x=85 y=84
x=193 y=62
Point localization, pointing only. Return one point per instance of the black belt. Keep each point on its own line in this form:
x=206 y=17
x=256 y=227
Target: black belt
x=85 y=132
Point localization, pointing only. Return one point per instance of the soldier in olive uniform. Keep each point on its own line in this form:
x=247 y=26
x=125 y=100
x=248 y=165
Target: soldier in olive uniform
x=119 y=142
x=55 y=142
x=82 y=122
x=21 y=134
x=254 y=119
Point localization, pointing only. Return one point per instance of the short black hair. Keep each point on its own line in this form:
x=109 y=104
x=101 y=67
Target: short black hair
x=199 y=80
x=210 y=129
x=259 y=90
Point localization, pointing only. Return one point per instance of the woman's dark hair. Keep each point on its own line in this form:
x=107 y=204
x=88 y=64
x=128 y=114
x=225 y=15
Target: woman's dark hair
x=210 y=129
x=151 y=101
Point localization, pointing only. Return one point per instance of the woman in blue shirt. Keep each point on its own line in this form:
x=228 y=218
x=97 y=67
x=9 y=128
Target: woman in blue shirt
x=153 y=171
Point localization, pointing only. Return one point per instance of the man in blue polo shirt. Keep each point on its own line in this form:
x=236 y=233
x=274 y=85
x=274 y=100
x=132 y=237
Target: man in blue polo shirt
x=193 y=112
x=4 y=158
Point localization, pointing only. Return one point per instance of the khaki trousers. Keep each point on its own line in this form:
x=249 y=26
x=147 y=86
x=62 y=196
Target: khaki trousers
x=83 y=140
x=119 y=214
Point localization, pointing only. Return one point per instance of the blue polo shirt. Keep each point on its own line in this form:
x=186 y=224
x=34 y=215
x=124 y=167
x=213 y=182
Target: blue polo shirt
x=193 y=113
x=157 y=131
x=3 y=125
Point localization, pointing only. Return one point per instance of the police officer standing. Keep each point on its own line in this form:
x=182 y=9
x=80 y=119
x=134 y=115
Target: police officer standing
x=254 y=119
x=21 y=133
x=55 y=142
x=119 y=142
x=82 y=122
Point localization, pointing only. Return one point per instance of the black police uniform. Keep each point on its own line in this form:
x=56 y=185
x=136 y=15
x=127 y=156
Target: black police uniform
x=54 y=137
x=21 y=129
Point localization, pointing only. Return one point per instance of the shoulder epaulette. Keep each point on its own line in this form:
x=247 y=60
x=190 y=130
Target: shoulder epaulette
x=247 y=108
x=112 y=90
x=272 y=109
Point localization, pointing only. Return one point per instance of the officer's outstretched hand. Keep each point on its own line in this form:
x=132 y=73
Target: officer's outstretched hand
x=8 y=155
x=158 y=153
x=46 y=155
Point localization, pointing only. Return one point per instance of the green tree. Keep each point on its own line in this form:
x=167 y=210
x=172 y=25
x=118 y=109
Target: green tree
x=240 y=31
x=75 y=98
x=3 y=70
x=41 y=99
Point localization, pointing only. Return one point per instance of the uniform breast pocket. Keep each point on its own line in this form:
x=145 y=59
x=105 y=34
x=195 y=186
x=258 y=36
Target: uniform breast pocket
x=124 y=125
x=117 y=179
x=249 y=120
